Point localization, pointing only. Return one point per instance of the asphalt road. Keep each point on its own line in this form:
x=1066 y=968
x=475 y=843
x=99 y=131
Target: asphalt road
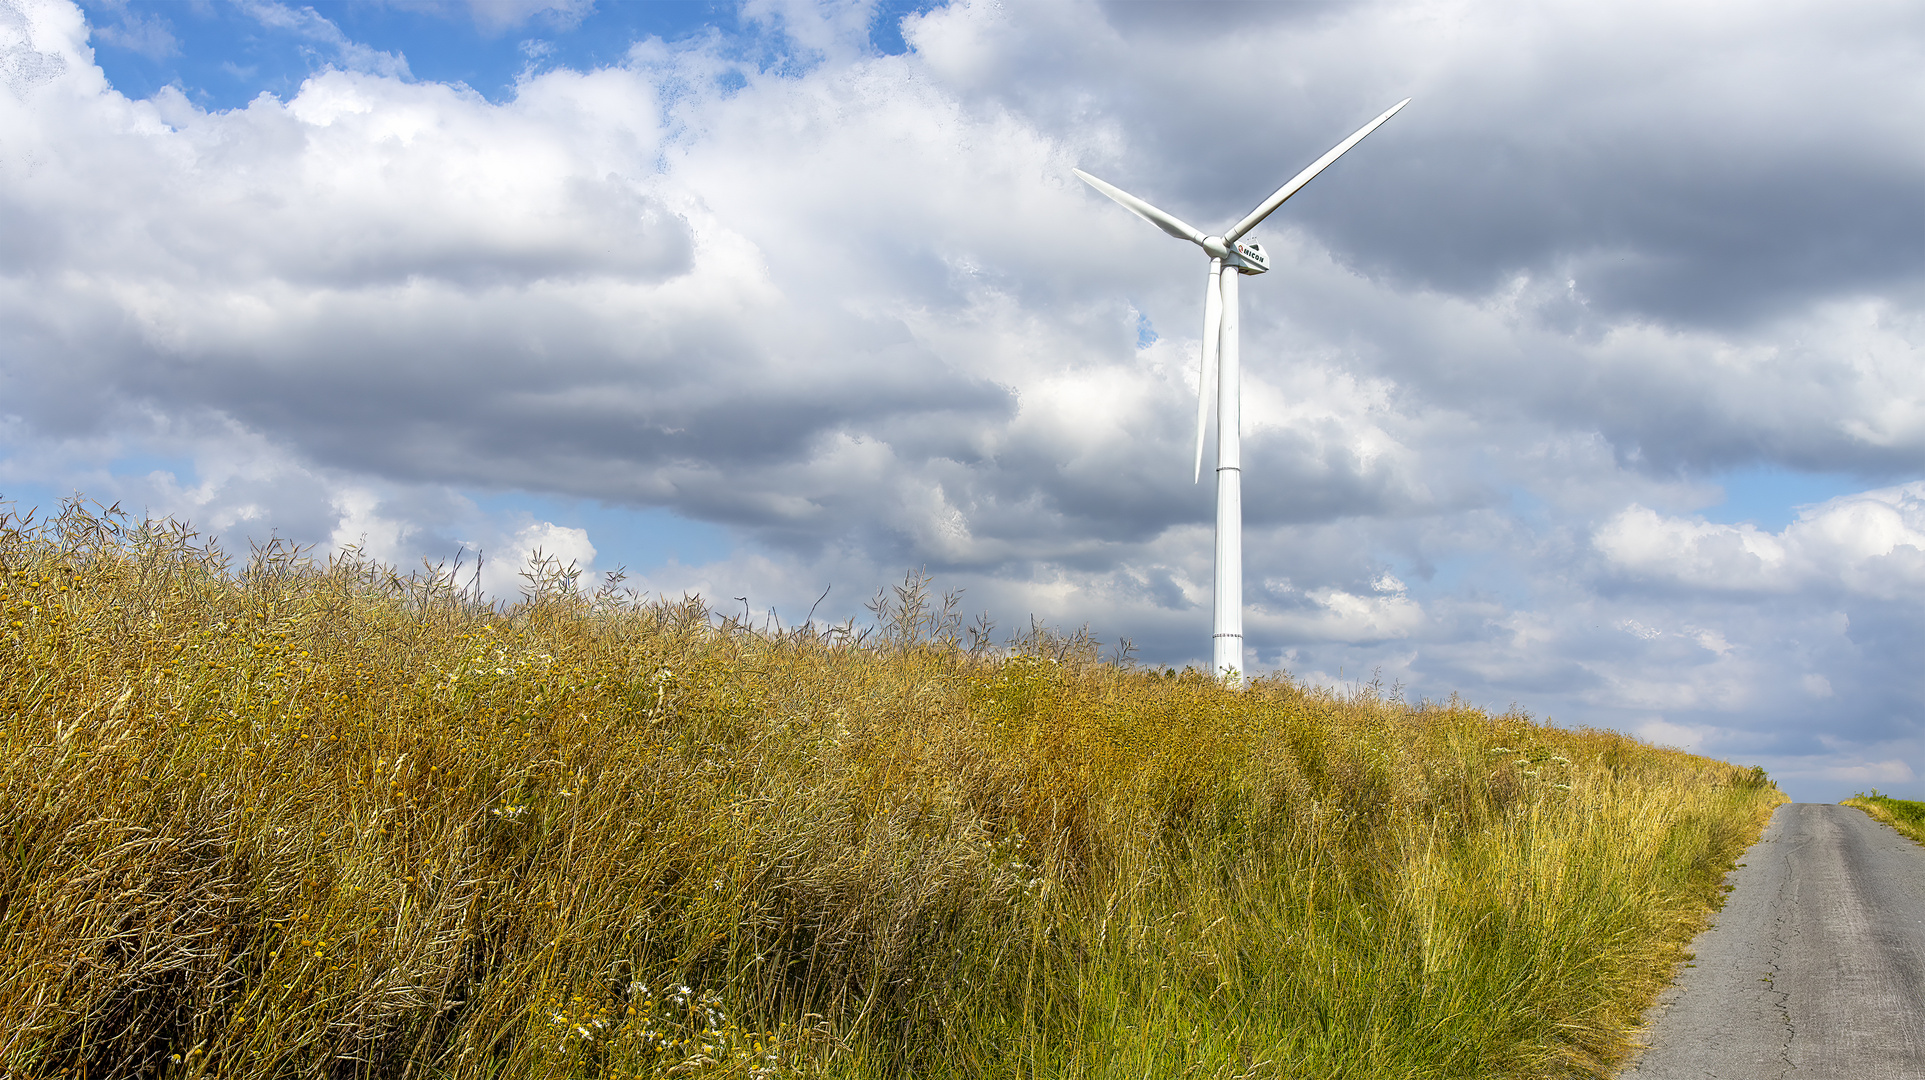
x=1816 y=967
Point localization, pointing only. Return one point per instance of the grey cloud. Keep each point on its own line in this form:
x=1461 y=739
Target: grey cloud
x=1696 y=170
x=603 y=228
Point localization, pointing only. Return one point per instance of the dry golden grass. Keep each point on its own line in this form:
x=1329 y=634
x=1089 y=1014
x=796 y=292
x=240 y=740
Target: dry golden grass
x=320 y=819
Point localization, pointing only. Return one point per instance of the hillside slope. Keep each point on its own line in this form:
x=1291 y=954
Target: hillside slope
x=301 y=819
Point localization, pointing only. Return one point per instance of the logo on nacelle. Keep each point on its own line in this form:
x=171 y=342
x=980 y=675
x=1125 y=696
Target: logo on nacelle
x=1247 y=258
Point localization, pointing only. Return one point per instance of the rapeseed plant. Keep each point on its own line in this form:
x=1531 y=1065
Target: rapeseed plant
x=313 y=818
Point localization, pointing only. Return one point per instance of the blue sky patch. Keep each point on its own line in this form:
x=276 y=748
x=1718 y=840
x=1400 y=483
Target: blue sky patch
x=1770 y=497
x=224 y=55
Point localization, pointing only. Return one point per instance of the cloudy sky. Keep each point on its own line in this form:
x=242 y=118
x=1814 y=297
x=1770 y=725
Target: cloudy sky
x=1594 y=382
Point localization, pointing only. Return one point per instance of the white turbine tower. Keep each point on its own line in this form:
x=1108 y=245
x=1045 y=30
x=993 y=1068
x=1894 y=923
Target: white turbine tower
x=1219 y=361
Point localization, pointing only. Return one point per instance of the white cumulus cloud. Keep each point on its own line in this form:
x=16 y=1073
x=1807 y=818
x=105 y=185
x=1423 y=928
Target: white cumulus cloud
x=855 y=311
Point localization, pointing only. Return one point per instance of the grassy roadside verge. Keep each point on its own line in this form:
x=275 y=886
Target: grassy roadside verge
x=1902 y=814
x=324 y=819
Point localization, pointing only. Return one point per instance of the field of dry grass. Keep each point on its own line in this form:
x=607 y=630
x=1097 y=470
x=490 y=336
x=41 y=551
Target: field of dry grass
x=290 y=819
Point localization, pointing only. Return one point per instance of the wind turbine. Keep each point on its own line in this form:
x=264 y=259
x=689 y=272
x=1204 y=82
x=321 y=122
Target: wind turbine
x=1219 y=363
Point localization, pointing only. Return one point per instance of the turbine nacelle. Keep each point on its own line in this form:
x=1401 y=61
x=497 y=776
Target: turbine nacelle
x=1244 y=258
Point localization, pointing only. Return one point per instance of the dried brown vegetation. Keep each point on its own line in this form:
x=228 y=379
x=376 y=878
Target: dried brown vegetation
x=319 y=819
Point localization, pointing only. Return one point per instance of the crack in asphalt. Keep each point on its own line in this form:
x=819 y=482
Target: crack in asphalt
x=1780 y=941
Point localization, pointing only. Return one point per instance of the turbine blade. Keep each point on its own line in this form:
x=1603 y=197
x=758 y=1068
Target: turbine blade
x=1169 y=223
x=1206 y=368
x=1297 y=182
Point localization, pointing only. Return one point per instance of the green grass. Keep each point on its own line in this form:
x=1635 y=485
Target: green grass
x=1904 y=815
x=300 y=819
